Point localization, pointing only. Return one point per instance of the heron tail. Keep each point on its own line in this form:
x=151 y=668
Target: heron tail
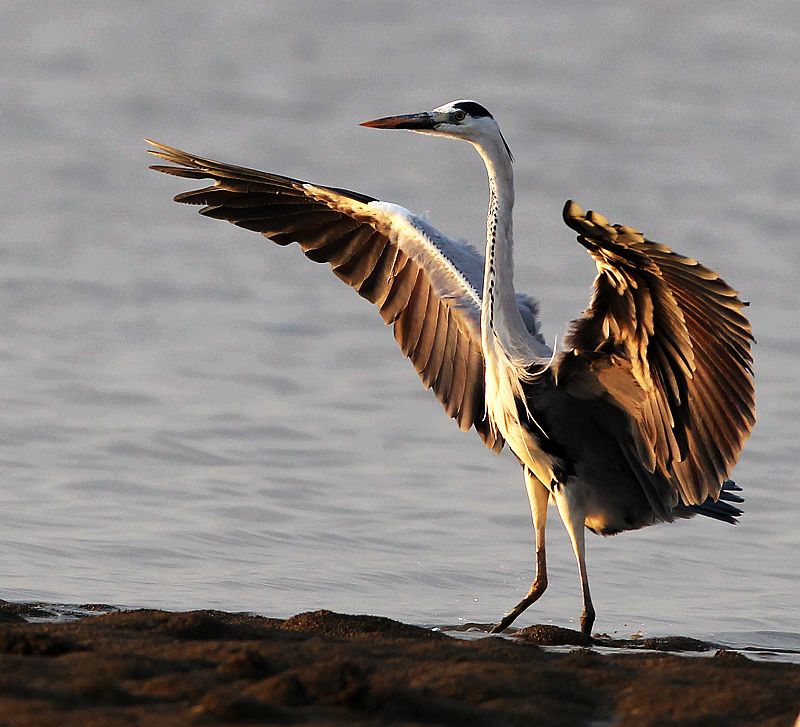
x=720 y=509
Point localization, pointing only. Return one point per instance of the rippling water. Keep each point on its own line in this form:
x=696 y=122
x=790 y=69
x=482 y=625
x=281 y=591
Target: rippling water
x=192 y=417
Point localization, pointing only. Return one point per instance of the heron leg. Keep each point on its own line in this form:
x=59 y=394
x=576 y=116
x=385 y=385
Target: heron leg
x=573 y=517
x=538 y=495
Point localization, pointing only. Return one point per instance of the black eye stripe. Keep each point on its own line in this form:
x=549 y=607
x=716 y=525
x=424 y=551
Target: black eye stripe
x=472 y=108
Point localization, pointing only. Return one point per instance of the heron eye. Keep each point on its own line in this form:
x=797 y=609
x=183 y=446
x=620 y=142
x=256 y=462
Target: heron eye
x=459 y=115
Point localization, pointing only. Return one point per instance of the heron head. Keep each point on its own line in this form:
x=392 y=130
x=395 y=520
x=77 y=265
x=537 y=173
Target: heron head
x=462 y=119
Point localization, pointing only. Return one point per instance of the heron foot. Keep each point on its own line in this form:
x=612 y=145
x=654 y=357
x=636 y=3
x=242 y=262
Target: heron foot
x=537 y=589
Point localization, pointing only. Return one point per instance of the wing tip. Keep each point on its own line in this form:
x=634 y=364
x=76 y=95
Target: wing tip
x=588 y=224
x=572 y=212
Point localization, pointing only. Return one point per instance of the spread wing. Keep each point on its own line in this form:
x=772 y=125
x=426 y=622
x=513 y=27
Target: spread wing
x=426 y=285
x=665 y=342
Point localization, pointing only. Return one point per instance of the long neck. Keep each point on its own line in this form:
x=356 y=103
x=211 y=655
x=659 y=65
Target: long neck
x=501 y=321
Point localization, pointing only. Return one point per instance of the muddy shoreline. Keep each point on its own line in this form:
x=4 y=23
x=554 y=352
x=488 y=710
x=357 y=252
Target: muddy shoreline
x=323 y=668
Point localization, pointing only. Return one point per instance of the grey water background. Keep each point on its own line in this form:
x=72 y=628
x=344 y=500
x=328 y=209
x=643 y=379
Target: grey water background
x=192 y=417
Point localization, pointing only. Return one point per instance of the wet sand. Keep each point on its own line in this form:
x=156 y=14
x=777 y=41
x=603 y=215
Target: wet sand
x=322 y=668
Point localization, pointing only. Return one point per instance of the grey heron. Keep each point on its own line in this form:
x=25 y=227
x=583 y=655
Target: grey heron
x=637 y=419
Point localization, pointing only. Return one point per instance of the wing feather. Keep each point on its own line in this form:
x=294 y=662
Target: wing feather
x=434 y=364
x=444 y=380
x=402 y=286
x=686 y=345
x=422 y=351
x=409 y=326
x=423 y=283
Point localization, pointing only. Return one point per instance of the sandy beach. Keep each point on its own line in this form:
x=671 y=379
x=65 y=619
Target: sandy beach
x=210 y=667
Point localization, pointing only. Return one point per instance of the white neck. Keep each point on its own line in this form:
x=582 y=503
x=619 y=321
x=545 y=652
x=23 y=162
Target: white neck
x=501 y=321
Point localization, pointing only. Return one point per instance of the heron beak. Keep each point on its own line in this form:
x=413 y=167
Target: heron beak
x=414 y=122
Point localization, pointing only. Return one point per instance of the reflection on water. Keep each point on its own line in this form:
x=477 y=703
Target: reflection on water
x=192 y=417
